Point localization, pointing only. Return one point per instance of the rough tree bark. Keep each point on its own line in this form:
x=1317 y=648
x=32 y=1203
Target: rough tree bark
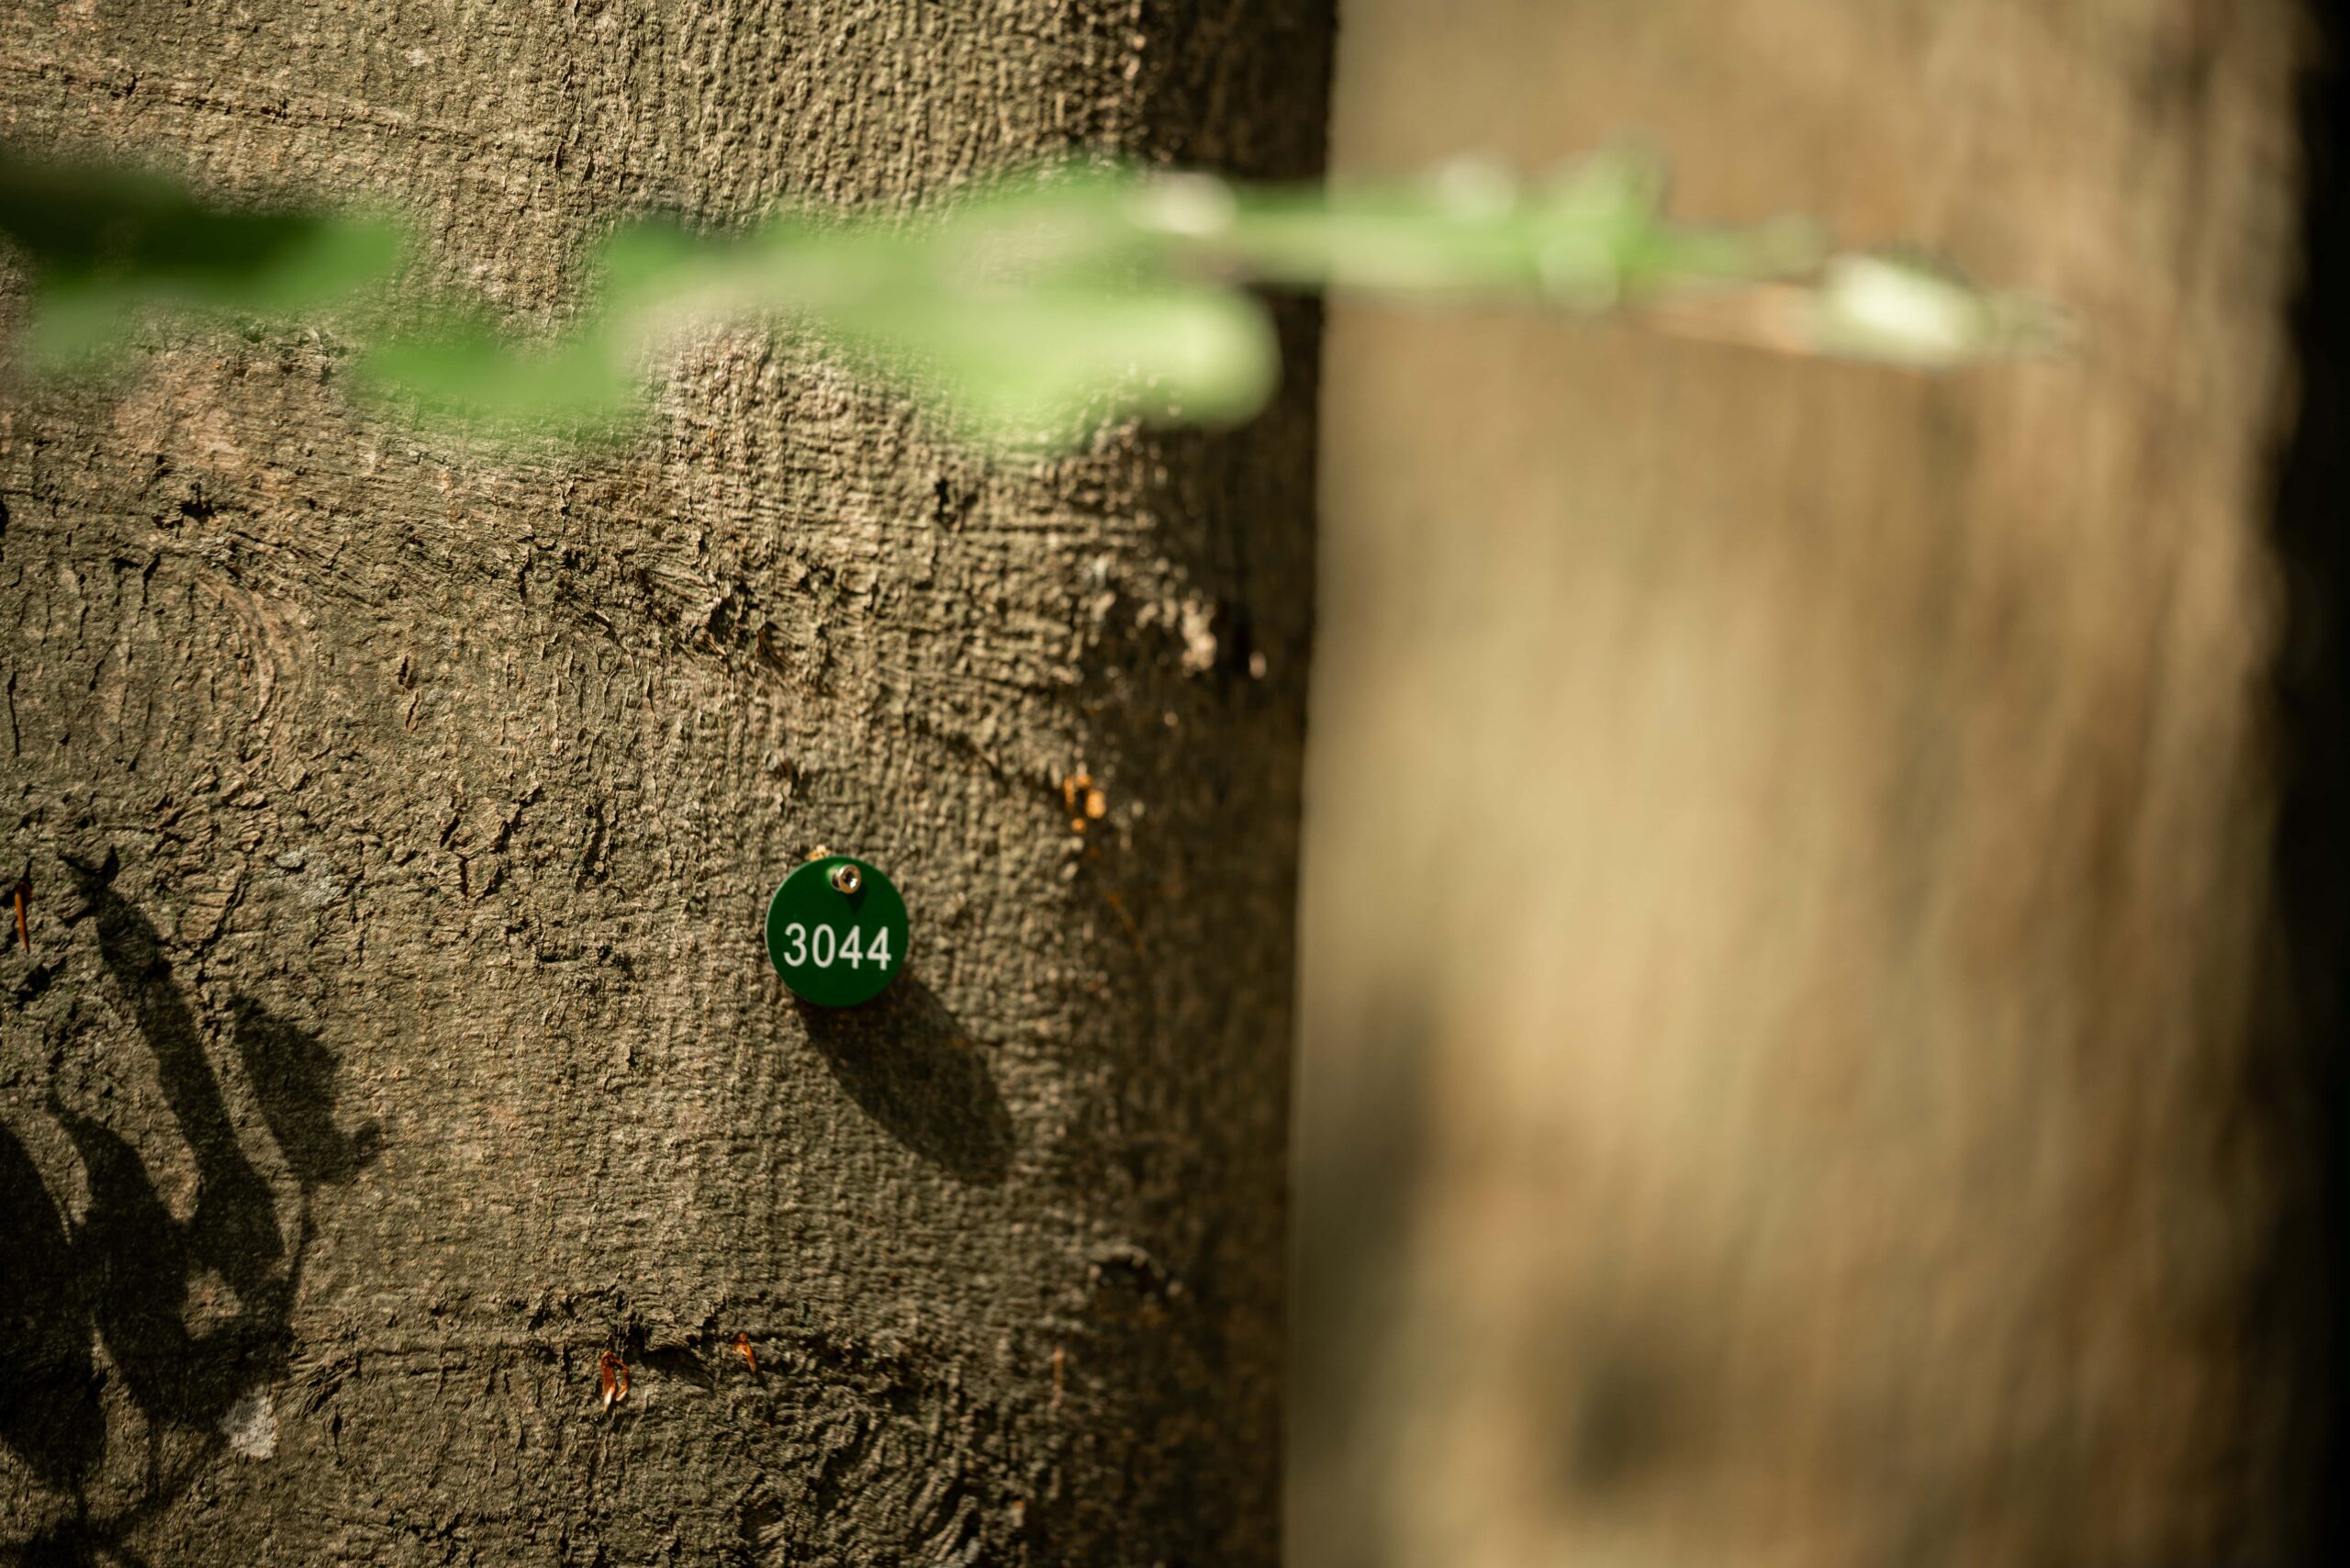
x=396 y=1037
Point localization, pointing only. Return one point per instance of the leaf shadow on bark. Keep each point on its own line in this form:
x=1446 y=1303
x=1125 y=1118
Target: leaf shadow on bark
x=908 y=1063
x=234 y=1227
x=127 y=1265
x=292 y=1073
x=52 y=1420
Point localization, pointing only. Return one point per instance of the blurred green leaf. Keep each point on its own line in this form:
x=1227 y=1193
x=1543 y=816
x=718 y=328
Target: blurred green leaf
x=108 y=247
x=1042 y=367
x=1590 y=238
x=1029 y=311
x=475 y=374
x=1911 y=310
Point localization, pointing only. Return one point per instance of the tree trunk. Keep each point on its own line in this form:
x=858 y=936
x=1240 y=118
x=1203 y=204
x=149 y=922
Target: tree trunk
x=396 y=1037
x=1828 y=1114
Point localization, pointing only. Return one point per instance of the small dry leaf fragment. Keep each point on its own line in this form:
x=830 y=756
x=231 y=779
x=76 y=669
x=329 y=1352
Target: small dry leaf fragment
x=21 y=891
x=743 y=1348
x=611 y=1375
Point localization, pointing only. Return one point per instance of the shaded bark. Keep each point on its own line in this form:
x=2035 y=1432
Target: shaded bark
x=396 y=1037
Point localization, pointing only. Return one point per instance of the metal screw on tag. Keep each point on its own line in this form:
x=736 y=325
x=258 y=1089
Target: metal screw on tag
x=837 y=932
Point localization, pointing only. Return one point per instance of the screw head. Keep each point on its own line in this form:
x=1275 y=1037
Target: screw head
x=845 y=878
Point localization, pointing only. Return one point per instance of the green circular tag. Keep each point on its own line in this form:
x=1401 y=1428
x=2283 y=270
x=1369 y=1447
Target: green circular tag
x=837 y=932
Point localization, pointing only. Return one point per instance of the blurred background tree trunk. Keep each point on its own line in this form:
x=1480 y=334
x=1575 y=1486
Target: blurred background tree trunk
x=1820 y=1101
x=396 y=1040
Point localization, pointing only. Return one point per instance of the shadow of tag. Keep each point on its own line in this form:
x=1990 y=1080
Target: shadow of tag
x=905 y=1060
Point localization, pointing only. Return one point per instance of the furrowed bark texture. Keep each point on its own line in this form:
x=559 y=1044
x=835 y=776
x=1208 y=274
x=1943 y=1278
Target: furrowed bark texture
x=396 y=1037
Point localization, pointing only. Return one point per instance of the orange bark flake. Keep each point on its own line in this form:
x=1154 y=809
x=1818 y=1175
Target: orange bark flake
x=1084 y=798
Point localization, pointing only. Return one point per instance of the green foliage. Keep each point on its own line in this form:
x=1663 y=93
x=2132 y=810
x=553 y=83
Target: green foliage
x=1027 y=314
x=109 y=248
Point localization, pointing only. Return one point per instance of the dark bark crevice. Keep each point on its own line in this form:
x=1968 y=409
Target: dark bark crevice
x=2304 y=1053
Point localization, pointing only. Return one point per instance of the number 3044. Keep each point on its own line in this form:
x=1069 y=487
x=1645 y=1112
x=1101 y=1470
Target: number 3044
x=825 y=946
